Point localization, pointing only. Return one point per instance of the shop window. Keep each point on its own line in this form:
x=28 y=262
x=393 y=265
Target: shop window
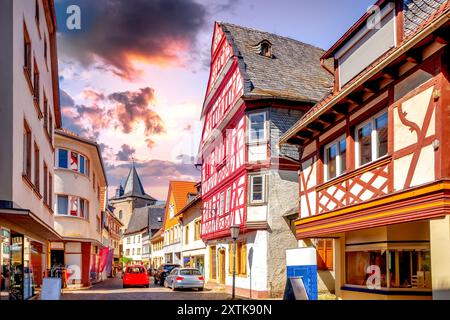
x=405 y=269
x=335 y=158
x=372 y=139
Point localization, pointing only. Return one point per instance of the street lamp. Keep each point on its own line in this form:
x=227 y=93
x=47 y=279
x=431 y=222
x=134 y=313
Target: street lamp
x=234 y=230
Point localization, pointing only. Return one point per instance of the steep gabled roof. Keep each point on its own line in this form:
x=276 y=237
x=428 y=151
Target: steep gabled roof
x=293 y=72
x=133 y=187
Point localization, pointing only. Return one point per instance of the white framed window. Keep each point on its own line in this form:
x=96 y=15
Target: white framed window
x=72 y=206
x=257 y=189
x=335 y=158
x=72 y=160
x=257 y=127
x=228 y=200
x=371 y=139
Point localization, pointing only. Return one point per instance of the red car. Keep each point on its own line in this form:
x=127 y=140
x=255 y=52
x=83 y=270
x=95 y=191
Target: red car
x=135 y=276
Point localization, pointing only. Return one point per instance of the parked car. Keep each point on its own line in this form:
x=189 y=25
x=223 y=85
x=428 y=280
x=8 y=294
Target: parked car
x=180 y=278
x=163 y=271
x=135 y=276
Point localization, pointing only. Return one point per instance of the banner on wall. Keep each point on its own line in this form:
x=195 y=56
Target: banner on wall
x=109 y=261
x=104 y=258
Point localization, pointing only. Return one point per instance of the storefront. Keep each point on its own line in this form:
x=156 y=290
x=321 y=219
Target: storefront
x=22 y=262
x=197 y=262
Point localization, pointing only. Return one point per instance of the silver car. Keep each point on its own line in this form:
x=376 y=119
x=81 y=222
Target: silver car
x=180 y=278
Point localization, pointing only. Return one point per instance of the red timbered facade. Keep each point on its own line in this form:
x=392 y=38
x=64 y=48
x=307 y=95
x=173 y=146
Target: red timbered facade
x=242 y=121
x=374 y=167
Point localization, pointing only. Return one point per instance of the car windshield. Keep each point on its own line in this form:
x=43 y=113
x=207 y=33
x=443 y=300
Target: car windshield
x=170 y=267
x=135 y=270
x=190 y=272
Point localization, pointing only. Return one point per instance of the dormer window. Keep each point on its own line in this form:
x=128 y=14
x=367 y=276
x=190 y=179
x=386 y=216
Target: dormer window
x=265 y=49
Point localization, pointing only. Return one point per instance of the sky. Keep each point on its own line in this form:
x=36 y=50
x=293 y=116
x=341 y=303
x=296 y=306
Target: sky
x=134 y=76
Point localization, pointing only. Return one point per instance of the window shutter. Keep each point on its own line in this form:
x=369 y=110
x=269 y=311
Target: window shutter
x=329 y=255
x=230 y=258
x=243 y=262
x=321 y=256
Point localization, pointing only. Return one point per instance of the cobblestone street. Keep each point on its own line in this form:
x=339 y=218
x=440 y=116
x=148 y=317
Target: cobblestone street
x=111 y=289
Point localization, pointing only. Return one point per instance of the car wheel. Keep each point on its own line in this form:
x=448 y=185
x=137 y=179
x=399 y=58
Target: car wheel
x=124 y=286
x=148 y=286
x=200 y=289
x=155 y=281
x=161 y=282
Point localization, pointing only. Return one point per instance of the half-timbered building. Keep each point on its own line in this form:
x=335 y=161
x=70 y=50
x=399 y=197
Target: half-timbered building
x=375 y=156
x=260 y=84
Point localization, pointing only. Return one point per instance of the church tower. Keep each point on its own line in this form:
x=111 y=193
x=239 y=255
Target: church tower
x=129 y=197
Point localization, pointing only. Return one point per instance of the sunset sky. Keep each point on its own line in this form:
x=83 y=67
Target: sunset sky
x=134 y=77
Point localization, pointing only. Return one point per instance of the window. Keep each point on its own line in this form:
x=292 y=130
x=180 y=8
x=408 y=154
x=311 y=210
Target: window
x=63 y=158
x=128 y=252
x=407 y=269
x=266 y=49
x=46 y=52
x=138 y=251
x=63 y=204
x=37 y=12
x=335 y=158
x=50 y=126
x=36 y=82
x=120 y=214
x=73 y=206
x=228 y=201
x=222 y=204
x=45 y=184
x=45 y=113
x=132 y=251
x=186 y=235
x=99 y=228
x=257 y=187
x=128 y=240
x=257 y=127
x=27 y=53
x=198 y=229
x=372 y=139
x=37 y=166
x=324 y=249
x=82 y=164
x=27 y=151
x=50 y=191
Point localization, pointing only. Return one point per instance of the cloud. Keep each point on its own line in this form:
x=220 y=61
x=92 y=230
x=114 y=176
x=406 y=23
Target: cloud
x=118 y=110
x=133 y=107
x=119 y=33
x=125 y=153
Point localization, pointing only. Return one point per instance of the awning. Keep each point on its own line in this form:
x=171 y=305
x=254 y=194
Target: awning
x=29 y=221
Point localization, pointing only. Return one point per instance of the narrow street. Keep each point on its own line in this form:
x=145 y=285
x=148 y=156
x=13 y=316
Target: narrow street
x=111 y=289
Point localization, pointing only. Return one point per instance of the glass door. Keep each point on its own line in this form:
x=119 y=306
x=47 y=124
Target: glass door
x=17 y=267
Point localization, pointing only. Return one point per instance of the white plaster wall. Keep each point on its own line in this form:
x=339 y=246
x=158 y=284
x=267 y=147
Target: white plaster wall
x=256 y=213
x=133 y=245
x=257 y=152
x=24 y=108
x=307 y=168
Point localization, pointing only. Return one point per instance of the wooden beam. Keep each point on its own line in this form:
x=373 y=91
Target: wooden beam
x=390 y=73
x=371 y=87
x=414 y=57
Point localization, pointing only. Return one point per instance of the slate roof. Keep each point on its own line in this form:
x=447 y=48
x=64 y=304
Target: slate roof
x=294 y=72
x=145 y=218
x=418 y=11
x=133 y=187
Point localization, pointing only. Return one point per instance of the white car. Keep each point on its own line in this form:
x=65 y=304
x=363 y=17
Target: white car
x=181 y=278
